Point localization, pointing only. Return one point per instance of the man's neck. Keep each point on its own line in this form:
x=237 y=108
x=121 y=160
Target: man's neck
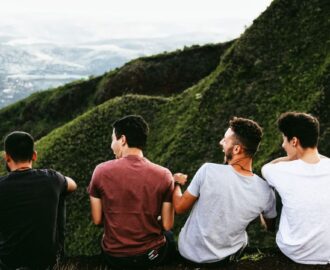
x=132 y=151
x=242 y=164
x=309 y=155
x=21 y=166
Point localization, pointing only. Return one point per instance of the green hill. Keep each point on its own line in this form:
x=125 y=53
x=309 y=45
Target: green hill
x=281 y=63
x=164 y=74
x=77 y=148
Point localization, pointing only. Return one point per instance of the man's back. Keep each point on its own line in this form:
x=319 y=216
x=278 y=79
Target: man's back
x=132 y=190
x=227 y=202
x=304 y=231
x=29 y=202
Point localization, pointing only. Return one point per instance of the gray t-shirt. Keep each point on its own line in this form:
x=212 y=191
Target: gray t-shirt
x=227 y=203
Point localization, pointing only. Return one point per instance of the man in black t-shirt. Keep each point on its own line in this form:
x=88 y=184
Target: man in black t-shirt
x=32 y=210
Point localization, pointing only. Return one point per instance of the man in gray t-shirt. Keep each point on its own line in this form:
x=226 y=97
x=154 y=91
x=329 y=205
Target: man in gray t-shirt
x=224 y=198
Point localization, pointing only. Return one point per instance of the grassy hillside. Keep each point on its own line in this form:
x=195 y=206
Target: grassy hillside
x=163 y=74
x=280 y=63
x=77 y=148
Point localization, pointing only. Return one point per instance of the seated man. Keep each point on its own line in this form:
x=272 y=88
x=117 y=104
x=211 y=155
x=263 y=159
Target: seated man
x=132 y=197
x=31 y=202
x=225 y=199
x=302 y=179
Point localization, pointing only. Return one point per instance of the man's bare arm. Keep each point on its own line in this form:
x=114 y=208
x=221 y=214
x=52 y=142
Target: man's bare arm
x=72 y=186
x=182 y=203
x=167 y=216
x=96 y=210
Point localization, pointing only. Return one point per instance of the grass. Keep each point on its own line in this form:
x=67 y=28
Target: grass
x=251 y=260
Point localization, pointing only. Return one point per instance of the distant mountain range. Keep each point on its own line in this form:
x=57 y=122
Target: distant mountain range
x=27 y=65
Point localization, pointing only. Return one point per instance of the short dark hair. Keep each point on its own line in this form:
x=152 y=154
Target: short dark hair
x=135 y=129
x=19 y=145
x=301 y=125
x=248 y=133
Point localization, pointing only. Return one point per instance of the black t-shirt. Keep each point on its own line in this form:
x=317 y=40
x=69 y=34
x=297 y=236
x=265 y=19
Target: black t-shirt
x=30 y=202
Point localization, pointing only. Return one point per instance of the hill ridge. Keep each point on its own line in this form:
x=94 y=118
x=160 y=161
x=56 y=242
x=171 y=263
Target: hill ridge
x=163 y=74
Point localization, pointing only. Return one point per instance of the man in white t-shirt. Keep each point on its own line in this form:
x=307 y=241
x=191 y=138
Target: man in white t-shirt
x=302 y=179
x=224 y=199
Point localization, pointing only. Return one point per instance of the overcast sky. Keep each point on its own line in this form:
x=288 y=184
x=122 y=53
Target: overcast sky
x=79 y=21
x=153 y=10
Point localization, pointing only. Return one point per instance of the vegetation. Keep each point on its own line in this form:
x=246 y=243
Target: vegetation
x=77 y=148
x=252 y=260
x=163 y=74
x=281 y=63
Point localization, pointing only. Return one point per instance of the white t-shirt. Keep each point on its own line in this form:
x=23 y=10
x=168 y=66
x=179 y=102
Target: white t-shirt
x=227 y=203
x=304 y=231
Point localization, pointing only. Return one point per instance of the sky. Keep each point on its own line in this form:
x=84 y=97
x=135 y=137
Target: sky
x=76 y=21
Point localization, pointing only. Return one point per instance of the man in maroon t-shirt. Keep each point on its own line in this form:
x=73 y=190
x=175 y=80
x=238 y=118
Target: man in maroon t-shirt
x=132 y=197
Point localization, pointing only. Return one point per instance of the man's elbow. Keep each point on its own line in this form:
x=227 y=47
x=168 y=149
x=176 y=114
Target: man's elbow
x=72 y=185
x=168 y=226
x=97 y=220
x=179 y=210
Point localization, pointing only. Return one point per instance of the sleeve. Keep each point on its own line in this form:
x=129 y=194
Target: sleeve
x=94 y=188
x=196 y=182
x=62 y=182
x=170 y=187
x=266 y=172
x=270 y=209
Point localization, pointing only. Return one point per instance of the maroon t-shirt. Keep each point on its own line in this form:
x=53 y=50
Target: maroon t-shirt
x=132 y=190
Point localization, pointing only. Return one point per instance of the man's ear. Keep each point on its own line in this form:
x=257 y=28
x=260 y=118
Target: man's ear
x=295 y=141
x=7 y=157
x=123 y=140
x=237 y=149
x=34 y=156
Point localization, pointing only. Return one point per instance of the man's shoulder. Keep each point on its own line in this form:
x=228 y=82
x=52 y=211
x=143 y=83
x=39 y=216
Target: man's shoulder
x=42 y=176
x=33 y=172
x=278 y=166
x=262 y=183
x=157 y=167
x=215 y=167
x=121 y=164
x=45 y=172
x=325 y=161
x=109 y=164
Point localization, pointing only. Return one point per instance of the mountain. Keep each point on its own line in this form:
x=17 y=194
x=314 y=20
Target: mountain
x=28 y=65
x=27 y=68
x=280 y=63
x=163 y=74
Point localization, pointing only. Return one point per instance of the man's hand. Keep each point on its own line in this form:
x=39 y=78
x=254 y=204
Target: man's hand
x=180 y=178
